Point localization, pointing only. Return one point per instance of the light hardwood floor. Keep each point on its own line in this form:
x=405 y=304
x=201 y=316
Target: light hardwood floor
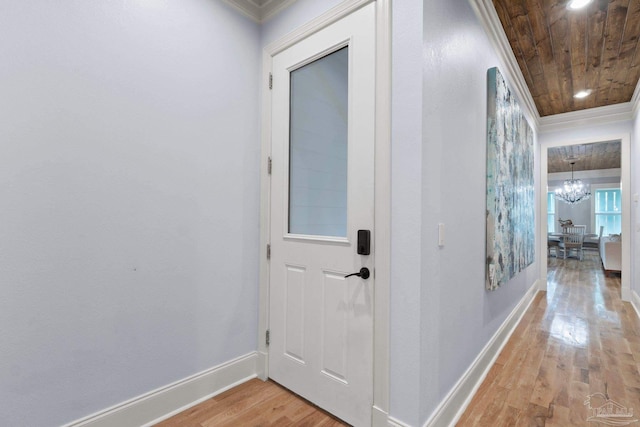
x=576 y=340
x=253 y=404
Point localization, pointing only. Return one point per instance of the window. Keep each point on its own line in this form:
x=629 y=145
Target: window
x=551 y=212
x=608 y=208
x=318 y=149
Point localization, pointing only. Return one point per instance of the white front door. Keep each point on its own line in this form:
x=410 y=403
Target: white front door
x=322 y=193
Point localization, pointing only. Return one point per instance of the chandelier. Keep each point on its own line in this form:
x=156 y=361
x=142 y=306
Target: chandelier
x=573 y=191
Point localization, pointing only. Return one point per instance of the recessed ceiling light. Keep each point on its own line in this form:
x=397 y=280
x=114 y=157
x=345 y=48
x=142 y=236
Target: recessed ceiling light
x=578 y=4
x=582 y=94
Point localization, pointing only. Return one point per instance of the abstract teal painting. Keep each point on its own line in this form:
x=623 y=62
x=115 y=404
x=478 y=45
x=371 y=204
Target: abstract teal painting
x=510 y=211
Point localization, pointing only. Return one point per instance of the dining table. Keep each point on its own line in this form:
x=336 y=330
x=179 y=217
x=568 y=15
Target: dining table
x=554 y=239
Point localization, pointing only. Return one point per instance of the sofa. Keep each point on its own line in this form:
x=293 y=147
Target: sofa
x=611 y=253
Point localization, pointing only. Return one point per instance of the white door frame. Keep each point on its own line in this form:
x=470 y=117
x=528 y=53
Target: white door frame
x=625 y=186
x=382 y=221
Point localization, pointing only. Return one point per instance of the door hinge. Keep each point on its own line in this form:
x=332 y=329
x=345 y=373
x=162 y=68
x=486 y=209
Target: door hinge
x=268 y=251
x=269 y=164
x=267 y=338
x=270 y=81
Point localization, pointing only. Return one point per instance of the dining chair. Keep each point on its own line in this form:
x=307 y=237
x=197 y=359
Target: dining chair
x=572 y=241
x=574 y=229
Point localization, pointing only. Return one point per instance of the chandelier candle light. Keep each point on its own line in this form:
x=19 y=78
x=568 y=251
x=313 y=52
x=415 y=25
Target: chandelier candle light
x=573 y=191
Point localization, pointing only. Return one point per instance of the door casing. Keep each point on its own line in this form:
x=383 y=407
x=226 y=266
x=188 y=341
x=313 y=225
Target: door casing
x=625 y=186
x=382 y=209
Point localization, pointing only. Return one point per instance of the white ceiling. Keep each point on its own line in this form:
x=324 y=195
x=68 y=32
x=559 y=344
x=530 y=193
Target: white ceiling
x=259 y=10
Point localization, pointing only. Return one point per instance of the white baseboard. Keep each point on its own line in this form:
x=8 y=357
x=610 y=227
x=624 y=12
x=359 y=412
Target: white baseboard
x=379 y=418
x=453 y=405
x=155 y=406
x=635 y=302
x=392 y=422
x=262 y=365
x=160 y=404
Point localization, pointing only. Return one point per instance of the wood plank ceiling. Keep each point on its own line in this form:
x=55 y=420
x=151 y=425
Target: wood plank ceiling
x=600 y=155
x=562 y=51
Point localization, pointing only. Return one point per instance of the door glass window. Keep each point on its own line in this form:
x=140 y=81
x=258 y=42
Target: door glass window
x=318 y=147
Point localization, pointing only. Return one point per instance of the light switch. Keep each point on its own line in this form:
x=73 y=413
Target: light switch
x=440 y=234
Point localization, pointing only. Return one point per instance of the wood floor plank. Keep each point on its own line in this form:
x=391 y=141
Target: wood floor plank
x=559 y=416
x=254 y=404
x=262 y=414
x=209 y=408
x=575 y=340
x=238 y=408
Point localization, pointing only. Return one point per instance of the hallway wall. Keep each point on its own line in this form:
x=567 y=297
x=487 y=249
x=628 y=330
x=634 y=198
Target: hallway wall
x=128 y=261
x=292 y=17
x=583 y=132
x=635 y=207
x=458 y=316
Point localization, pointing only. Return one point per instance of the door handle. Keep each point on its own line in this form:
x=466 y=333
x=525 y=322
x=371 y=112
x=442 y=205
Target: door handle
x=364 y=273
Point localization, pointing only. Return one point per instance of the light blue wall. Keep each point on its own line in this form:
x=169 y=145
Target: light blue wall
x=458 y=316
x=596 y=132
x=406 y=209
x=294 y=16
x=128 y=261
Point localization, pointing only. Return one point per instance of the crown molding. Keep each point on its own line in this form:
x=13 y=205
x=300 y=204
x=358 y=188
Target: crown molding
x=332 y=15
x=259 y=11
x=270 y=9
x=590 y=117
x=486 y=13
x=246 y=8
x=635 y=101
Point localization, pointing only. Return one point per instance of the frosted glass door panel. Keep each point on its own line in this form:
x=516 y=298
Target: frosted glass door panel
x=318 y=147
